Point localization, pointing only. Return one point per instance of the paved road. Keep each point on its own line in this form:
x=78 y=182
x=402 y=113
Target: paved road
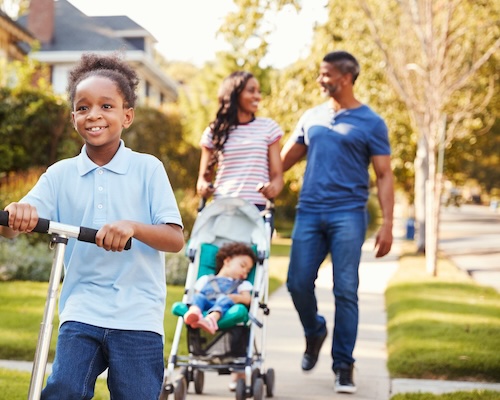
x=470 y=236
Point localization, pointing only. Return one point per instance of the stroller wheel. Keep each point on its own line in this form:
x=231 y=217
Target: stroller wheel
x=199 y=380
x=269 y=381
x=180 y=389
x=188 y=376
x=255 y=375
x=166 y=389
x=258 y=389
x=241 y=389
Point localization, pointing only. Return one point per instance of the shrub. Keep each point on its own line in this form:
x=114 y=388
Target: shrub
x=176 y=266
x=24 y=259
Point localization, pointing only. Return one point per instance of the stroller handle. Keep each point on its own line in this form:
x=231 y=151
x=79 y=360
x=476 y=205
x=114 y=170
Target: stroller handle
x=269 y=202
x=46 y=226
x=203 y=200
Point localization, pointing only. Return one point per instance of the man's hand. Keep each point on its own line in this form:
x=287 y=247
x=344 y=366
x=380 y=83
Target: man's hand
x=383 y=240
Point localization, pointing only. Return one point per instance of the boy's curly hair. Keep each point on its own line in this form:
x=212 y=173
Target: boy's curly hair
x=231 y=250
x=112 y=67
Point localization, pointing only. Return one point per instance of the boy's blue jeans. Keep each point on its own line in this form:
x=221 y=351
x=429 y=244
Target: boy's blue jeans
x=134 y=359
x=314 y=236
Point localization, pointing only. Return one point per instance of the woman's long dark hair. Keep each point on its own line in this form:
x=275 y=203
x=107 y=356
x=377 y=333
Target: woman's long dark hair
x=227 y=114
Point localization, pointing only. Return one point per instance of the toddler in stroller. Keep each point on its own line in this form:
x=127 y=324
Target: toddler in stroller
x=229 y=231
x=216 y=294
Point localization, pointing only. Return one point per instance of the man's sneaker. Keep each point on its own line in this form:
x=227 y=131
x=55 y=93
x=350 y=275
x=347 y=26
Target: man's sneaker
x=343 y=380
x=313 y=347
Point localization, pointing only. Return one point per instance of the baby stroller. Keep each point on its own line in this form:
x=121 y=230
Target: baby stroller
x=239 y=344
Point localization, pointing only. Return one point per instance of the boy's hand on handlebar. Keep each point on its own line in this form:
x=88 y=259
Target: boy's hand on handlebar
x=23 y=217
x=114 y=236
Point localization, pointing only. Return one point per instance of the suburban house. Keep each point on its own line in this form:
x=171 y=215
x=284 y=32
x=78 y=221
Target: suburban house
x=15 y=40
x=65 y=33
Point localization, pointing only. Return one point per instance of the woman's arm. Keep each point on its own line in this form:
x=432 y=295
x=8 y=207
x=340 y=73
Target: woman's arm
x=205 y=177
x=273 y=188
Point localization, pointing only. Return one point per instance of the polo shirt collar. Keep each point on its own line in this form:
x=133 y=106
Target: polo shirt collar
x=119 y=163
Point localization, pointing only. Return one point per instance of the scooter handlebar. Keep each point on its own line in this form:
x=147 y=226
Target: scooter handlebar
x=41 y=227
x=46 y=226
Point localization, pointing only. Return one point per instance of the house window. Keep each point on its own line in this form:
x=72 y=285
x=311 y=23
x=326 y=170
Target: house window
x=136 y=43
x=147 y=89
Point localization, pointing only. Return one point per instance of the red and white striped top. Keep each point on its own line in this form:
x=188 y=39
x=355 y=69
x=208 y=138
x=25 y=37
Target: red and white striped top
x=244 y=162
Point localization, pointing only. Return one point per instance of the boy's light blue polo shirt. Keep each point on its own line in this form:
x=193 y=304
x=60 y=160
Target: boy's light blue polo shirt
x=117 y=290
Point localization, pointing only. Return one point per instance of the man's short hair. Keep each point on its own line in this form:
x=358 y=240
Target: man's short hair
x=344 y=62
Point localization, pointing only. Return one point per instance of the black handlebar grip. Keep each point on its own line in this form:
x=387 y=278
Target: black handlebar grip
x=4 y=218
x=41 y=227
x=201 y=204
x=203 y=200
x=85 y=235
x=88 y=235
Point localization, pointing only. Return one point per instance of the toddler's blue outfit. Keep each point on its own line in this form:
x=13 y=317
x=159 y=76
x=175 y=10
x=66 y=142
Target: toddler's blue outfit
x=212 y=292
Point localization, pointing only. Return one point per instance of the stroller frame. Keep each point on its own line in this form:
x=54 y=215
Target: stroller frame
x=209 y=229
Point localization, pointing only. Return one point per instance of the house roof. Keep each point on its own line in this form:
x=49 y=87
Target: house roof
x=20 y=29
x=74 y=30
x=21 y=38
x=75 y=33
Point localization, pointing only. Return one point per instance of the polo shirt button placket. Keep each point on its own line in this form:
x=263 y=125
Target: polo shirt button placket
x=100 y=196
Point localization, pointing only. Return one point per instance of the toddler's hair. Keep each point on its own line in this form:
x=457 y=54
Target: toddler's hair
x=112 y=67
x=231 y=250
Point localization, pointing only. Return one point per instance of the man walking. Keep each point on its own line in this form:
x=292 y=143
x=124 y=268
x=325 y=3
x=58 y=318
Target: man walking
x=340 y=137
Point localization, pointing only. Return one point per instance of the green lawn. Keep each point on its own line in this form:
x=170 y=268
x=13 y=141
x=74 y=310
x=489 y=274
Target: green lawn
x=21 y=310
x=472 y=395
x=446 y=327
x=443 y=327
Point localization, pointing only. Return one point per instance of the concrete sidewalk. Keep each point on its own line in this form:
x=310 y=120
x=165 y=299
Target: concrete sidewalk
x=286 y=342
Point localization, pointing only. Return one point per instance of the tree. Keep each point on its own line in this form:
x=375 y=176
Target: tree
x=432 y=50
x=246 y=31
x=294 y=89
x=14 y=8
x=35 y=128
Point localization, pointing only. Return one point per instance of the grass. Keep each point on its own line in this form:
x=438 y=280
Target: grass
x=14 y=385
x=444 y=327
x=472 y=395
x=21 y=310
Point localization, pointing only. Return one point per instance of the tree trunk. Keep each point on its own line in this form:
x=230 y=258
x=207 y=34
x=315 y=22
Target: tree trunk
x=431 y=211
x=421 y=175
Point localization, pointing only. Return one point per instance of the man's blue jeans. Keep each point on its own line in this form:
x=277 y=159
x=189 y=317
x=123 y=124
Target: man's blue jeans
x=134 y=359
x=314 y=236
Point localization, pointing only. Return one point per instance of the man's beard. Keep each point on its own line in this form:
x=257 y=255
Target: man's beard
x=328 y=90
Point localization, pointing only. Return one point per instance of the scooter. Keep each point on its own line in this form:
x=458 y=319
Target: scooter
x=60 y=235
